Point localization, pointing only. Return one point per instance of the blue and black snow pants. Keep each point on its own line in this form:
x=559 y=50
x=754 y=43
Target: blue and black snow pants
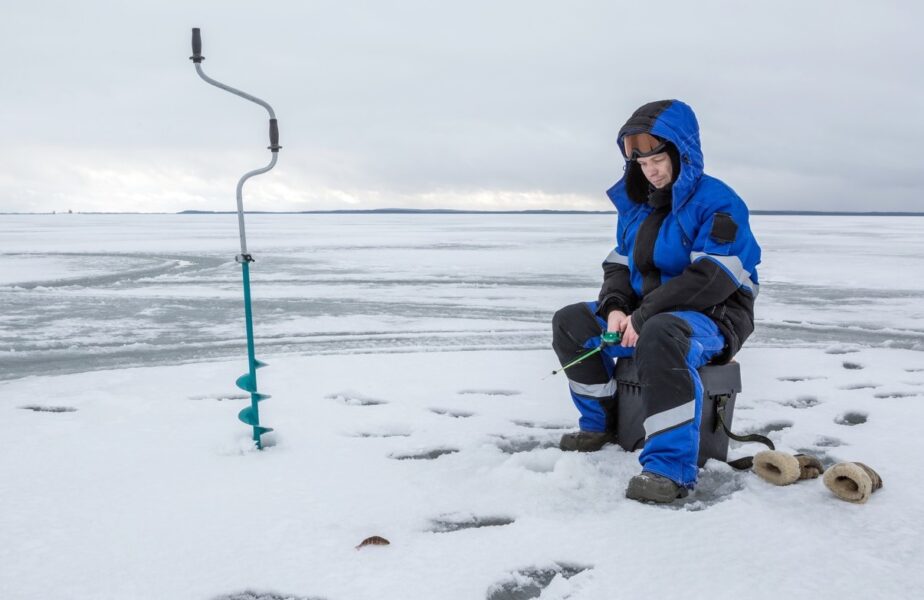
x=670 y=349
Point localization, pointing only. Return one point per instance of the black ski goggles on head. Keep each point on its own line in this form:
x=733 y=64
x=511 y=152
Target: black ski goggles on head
x=641 y=145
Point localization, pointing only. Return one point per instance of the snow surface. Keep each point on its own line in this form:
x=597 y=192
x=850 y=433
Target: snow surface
x=408 y=356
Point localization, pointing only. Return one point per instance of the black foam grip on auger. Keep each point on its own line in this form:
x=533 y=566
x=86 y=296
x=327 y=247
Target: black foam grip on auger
x=196 y=46
x=274 y=136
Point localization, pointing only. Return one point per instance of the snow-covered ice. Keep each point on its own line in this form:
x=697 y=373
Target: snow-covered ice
x=407 y=360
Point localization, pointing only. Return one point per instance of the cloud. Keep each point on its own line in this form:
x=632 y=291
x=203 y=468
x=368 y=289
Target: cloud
x=802 y=105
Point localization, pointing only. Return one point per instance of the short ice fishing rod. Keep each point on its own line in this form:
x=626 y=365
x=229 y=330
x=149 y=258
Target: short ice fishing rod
x=608 y=338
x=248 y=381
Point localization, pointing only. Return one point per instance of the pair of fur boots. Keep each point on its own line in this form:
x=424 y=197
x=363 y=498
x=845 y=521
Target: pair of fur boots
x=850 y=481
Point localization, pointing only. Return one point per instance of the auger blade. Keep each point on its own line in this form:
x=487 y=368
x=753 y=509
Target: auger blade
x=260 y=397
x=260 y=364
x=247 y=383
x=247 y=415
x=262 y=430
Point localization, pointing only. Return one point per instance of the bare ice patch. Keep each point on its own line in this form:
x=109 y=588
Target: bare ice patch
x=221 y=397
x=801 y=402
x=828 y=442
x=852 y=366
x=714 y=485
x=490 y=392
x=771 y=427
x=431 y=454
x=48 y=409
x=529 y=583
x=861 y=386
x=801 y=378
x=450 y=523
x=851 y=418
x=354 y=399
x=455 y=414
x=896 y=394
x=250 y=595
x=381 y=434
x=539 y=425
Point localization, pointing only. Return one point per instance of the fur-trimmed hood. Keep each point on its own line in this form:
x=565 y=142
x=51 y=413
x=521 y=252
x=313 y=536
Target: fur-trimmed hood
x=671 y=120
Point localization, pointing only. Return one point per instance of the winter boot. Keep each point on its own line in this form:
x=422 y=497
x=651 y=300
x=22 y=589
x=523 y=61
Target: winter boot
x=586 y=441
x=809 y=466
x=651 y=487
x=853 y=482
x=782 y=468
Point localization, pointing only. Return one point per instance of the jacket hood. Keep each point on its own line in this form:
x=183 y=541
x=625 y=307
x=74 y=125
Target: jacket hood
x=671 y=120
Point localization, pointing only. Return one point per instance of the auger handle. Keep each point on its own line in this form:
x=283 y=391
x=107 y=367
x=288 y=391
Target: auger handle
x=274 y=136
x=196 y=46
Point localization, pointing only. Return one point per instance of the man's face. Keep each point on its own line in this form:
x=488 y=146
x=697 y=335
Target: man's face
x=658 y=169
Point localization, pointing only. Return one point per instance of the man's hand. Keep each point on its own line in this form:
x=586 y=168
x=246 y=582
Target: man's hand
x=629 y=336
x=616 y=321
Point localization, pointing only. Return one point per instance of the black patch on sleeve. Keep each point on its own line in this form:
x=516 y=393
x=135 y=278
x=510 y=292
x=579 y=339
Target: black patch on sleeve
x=724 y=228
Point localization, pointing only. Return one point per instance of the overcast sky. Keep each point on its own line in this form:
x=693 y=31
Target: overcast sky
x=486 y=105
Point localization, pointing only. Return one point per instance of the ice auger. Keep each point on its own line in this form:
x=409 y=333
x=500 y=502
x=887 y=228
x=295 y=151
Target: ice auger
x=247 y=381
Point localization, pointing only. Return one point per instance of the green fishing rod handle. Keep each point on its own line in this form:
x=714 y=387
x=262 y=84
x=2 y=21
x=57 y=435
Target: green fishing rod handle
x=611 y=337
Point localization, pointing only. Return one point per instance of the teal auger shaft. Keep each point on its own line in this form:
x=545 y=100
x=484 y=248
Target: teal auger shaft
x=251 y=414
x=608 y=338
x=248 y=381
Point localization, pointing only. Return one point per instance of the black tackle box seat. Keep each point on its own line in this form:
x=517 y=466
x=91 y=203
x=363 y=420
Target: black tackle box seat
x=721 y=383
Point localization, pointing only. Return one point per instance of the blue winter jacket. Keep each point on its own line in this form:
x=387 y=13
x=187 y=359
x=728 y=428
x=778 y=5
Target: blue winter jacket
x=687 y=248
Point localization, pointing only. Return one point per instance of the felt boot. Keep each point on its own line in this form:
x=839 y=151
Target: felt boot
x=778 y=468
x=781 y=468
x=853 y=482
x=809 y=466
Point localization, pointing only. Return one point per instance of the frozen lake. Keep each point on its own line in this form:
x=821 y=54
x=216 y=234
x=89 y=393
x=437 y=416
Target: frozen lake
x=435 y=435
x=86 y=292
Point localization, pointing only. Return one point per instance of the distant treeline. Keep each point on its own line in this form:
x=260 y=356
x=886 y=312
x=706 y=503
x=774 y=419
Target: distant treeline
x=448 y=211
x=403 y=211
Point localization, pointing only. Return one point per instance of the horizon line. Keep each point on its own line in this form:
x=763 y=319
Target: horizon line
x=452 y=211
